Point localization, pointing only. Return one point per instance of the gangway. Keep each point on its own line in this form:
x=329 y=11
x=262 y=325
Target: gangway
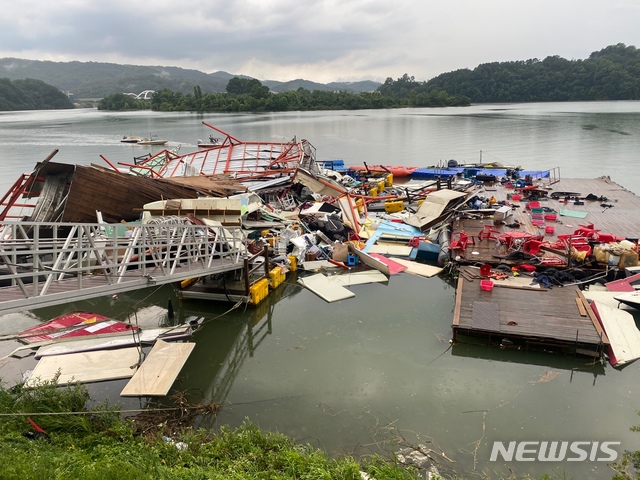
x=45 y=264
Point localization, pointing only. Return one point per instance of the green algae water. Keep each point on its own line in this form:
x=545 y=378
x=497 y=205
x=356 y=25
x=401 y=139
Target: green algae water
x=375 y=371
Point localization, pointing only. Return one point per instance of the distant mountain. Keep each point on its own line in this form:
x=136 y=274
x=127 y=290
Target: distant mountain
x=98 y=80
x=352 y=87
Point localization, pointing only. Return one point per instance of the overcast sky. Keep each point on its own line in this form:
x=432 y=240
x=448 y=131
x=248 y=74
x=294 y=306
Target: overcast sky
x=319 y=40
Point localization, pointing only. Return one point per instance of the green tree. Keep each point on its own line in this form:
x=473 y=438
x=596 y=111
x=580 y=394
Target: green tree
x=30 y=94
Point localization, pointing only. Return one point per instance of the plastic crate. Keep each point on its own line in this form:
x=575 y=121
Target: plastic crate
x=486 y=285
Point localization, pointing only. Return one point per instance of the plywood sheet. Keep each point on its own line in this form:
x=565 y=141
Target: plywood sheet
x=159 y=370
x=394 y=267
x=325 y=289
x=433 y=207
x=86 y=366
x=369 y=260
x=317 y=265
x=624 y=336
x=358 y=278
x=606 y=298
x=417 y=268
x=397 y=250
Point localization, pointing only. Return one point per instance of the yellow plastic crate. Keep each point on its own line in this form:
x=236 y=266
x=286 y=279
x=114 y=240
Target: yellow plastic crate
x=277 y=277
x=258 y=291
x=393 y=207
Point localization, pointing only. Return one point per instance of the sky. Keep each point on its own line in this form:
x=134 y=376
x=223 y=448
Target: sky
x=317 y=40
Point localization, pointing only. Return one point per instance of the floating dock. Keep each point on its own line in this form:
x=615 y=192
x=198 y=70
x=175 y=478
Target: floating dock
x=614 y=212
x=523 y=315
x=517 y=315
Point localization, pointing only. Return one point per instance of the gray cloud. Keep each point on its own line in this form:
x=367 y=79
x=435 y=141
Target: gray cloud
x=324 y=40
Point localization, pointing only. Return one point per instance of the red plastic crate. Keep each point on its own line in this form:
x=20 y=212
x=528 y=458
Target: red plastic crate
x=486 y=285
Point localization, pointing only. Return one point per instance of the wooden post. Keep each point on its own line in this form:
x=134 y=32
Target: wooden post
x=247 y=286
x=265 y=252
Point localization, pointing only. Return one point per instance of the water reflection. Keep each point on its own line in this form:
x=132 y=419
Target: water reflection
x=225 y=341
x=542 y=359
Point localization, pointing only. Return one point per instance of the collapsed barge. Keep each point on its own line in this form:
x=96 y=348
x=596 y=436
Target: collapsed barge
x=532 y=253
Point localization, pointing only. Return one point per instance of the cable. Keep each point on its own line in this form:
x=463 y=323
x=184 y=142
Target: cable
x=101 y=412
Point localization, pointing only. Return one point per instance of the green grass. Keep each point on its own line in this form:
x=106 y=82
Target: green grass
x=101 y=445
x=98 y=444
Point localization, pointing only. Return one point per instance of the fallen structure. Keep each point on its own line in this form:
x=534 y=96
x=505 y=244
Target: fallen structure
x=509 y=235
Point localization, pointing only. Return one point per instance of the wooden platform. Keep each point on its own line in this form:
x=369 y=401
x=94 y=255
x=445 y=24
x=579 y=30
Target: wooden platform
x=525 y=316
x=619 y=217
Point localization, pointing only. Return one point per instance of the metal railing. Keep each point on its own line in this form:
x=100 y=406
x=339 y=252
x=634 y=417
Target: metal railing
x=49 y=263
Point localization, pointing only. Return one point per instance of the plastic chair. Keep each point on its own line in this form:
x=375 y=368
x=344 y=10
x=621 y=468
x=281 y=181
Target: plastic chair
x=488 y=232
x=532 y=247
x=461 y=242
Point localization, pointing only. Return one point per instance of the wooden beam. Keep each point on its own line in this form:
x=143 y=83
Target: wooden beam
x=593 y=317
x=581 y=309
x=521 y=287
x=456 y=310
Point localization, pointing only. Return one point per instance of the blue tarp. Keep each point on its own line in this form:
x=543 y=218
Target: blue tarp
x=430 y=173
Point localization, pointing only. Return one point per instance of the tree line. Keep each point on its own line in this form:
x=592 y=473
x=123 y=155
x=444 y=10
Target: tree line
x=612 y=73
x=30 y=94
x=249 y=95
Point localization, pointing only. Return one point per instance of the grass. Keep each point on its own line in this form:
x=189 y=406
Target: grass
x=100 y=444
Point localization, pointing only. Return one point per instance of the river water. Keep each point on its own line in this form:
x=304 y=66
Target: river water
x=365 y=374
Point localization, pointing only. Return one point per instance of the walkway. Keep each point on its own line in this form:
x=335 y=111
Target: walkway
x=46 y=264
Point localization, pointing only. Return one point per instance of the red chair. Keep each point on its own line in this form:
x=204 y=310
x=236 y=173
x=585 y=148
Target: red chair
x=573 y=239
x=509 y=239
x=488 y=232
x=588 y=233
x=461 y=242
x=533 y=246
x=608 y=238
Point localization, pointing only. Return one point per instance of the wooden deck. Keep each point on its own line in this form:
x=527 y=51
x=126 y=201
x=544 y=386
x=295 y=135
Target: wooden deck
x=519 y=314
x=619 y=217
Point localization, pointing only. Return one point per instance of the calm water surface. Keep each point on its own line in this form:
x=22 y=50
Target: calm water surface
x=377 y=369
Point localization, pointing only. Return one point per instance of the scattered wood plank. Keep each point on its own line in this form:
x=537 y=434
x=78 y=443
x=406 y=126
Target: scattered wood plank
x=520 y=287
x=581 y=309
x=86 y=366
x=159 y=370
x=591 y=314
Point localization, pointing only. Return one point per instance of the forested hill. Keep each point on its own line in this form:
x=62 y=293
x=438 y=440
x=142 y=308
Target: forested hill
x=612 y=73
x=98 y=80
x=31 y=94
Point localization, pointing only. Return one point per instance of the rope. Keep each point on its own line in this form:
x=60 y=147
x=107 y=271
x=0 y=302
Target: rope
x=237 y=305
x=101 y=412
